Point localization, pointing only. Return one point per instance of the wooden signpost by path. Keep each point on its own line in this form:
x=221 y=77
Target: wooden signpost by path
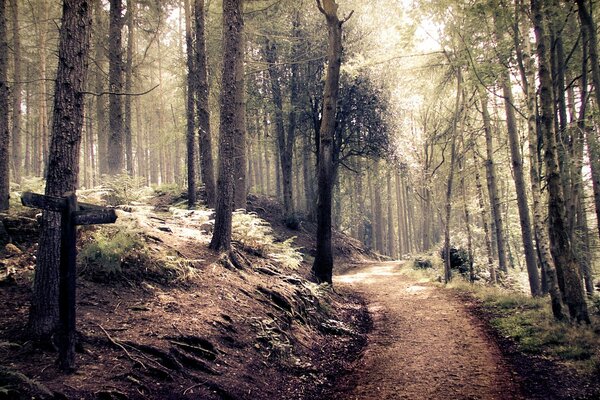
x=72 y=214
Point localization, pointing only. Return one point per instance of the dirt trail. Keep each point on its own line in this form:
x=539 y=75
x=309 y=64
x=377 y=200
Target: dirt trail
x=423 y=345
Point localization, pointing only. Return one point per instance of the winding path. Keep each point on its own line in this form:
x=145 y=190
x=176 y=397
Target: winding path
x=424 y=345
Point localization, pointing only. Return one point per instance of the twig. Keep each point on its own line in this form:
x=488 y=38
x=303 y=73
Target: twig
x=194 y=386
x=120 y=94
x=119 y=345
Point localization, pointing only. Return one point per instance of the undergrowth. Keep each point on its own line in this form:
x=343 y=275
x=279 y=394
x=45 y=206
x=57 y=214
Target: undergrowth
x=113 y=254
x=256 y=234
x=529 y=323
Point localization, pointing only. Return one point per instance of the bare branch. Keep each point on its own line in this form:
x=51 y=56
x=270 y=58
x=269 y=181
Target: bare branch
x=347 y=18
x=121 y=94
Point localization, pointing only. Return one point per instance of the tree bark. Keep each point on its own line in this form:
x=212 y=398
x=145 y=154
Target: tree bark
x=4 y=129
x=228 y=132
x=202 y=107
x=63 y=164
x=322 y=268
x=115 y=87
x=569 y=277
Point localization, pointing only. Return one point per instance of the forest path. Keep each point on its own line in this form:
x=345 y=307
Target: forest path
x=424 y=345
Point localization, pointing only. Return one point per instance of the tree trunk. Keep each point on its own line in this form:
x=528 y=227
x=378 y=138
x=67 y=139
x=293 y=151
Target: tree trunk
x=391 y=247
x=4 y=129
x=228 y=131
x=518 y=175
x=131 y=7
x=100 y=101
x=484 y=220
x=467 y=222
x=492 y=185
x=569 y=277
x=322 y=268
x=284 y=141
x=377 y=210
x=115 y=87
x=17 y=156
x=190 y=125
x=42 y=155
x=203 y=91
x=454 y=132
x=63 y=165
x=240 y=190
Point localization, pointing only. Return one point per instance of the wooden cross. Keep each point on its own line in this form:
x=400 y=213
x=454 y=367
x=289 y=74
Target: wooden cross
x=72 y=214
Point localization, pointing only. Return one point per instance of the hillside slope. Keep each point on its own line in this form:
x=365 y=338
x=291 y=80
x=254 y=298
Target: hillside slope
x=170 y=319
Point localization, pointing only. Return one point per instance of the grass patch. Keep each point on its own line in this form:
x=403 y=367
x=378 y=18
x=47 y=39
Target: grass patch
x=529 y=323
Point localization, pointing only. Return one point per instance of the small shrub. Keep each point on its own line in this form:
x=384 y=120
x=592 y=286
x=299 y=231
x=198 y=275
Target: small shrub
x=422 y=263
x=122 y=189
x=101 y=259
x=256 y=234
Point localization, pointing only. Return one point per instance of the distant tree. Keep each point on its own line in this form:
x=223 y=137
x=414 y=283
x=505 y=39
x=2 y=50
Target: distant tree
x=202 y=106
x=229 y=133
x=63 y=164
x=115 y=88
x=189 y=110
x=17 y=157
x=322 y=268
x=4 y=132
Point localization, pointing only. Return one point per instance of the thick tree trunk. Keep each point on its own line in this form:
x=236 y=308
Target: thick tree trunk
x=17 y=96
x=4 y=129
x=63 y=165
x=229 y=132
x=569 y=276
x=322 y=268
x=190 y=121
x=115 y=87
x=492 y=185
x=207 y=168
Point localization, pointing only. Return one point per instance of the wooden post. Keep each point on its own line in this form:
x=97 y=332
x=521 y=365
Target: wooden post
x=72 y=214
x=66 y=297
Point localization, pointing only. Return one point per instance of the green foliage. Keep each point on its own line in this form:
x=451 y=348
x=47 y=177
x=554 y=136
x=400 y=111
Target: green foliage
x=102 y=257
x=111 y=254
x=122 y=189
x=256 y=234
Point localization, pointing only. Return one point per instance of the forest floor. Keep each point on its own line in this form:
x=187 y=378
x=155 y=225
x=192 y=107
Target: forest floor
x=428 y=342
x=160 y=316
